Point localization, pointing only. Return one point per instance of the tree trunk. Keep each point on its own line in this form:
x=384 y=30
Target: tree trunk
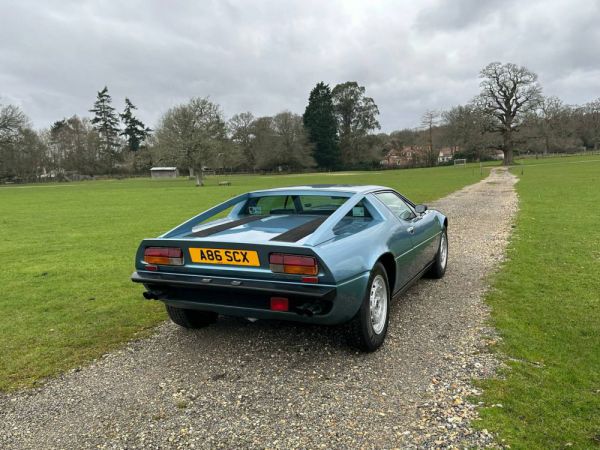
x=507 y=149
x=134 y=162
x=199 y=180
x=191 y=171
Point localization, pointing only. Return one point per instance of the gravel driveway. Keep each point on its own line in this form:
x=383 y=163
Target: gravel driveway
x=262 y=384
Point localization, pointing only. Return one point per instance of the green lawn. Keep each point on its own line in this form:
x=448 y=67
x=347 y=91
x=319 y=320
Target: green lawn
x=546 y=306
x=68 y=251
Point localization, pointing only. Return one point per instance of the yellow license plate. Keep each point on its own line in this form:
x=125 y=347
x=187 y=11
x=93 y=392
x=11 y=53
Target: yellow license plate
x=224 y=256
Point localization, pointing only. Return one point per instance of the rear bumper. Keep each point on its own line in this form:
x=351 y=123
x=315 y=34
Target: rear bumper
x=312 y=303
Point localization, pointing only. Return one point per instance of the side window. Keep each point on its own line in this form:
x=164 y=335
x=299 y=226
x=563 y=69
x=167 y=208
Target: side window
x=359 y=211
x=396 y=205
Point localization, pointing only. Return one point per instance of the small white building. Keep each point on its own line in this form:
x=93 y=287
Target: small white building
x=446 y=154
x=164 y=172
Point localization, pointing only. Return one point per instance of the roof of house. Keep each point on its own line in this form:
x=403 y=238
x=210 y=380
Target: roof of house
x=164 y=168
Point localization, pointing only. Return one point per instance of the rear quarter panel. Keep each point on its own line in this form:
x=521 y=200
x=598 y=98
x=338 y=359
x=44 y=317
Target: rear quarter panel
x=354 y=255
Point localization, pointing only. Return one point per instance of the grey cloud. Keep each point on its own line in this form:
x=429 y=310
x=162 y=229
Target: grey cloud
x=458 y=14
x=265 y=56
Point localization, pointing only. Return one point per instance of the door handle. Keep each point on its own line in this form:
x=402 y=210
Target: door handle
x=411 y=230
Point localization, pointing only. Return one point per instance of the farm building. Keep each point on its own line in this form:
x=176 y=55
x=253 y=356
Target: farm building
x=164 y=172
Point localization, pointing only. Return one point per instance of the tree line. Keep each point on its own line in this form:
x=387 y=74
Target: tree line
x=333 y=133
x=338 y=130
x=509 y=114
x=195 y=135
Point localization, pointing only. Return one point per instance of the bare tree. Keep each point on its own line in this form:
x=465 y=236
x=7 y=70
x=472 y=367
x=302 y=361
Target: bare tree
x=192 y=134
x=263 y=142
x=20 y=148
x=242 y=134
x=591 y=123
x=428 y=121
x=293 y=146
x=281 y=141
x=552 y=117
x=508 y=92
x=12 y=119
x=465 y=130
x=73 y=145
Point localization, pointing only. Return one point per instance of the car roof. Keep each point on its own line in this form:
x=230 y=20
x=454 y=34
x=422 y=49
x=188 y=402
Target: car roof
x=324 y=189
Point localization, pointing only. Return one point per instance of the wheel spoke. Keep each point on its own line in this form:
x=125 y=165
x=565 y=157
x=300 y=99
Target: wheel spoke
x=378 y=303
x=443 y=251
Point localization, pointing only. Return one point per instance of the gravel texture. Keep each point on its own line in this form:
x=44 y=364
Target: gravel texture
x=278 y=385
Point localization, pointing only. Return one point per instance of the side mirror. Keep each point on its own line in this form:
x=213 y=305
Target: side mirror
x=420 y=209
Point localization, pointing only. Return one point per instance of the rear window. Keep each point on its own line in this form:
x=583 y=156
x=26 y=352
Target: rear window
x=299 y=204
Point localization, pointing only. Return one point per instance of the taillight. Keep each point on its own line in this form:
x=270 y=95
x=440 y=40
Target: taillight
x=171 y=256
x=294 y=264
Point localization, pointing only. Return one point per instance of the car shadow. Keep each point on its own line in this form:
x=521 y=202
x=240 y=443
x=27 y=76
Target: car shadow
x=252 y=335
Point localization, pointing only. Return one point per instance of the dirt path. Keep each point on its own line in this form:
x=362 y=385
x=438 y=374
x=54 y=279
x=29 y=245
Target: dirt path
x=260 y=384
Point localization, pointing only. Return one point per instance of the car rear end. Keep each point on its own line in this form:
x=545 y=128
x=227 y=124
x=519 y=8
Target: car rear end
x=241 y=279
x=263 y=260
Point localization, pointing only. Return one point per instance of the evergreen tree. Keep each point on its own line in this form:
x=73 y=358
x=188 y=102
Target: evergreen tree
x=356 y=116
x=320 y=123
x=135 y=131
x=106 y=123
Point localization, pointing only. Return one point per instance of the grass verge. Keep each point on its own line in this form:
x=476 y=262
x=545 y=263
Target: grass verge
x=546 y=306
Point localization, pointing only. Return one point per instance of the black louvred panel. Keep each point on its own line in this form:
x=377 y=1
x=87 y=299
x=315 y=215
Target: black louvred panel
x=225 y=226
x=295 y=234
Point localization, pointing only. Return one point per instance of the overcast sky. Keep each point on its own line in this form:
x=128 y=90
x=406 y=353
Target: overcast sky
x=265 y=56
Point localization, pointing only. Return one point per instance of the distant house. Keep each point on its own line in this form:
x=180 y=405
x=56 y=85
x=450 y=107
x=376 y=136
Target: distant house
x=404 y=157
x=390 y=159
x=164 y=172
x=446 y=154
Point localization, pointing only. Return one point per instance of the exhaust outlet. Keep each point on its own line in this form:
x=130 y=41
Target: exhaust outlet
x=152 y=295
x=309 y=309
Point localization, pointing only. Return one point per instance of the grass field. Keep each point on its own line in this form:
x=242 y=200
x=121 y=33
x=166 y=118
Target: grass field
x=546 y=306
x=68 y=253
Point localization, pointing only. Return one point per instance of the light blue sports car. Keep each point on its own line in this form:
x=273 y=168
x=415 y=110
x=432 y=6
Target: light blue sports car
x=326 y=254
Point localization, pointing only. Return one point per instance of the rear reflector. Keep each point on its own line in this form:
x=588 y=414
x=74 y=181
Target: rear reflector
x=170 y=256
x=310 y=279
x=280 y=304
x=293 y=264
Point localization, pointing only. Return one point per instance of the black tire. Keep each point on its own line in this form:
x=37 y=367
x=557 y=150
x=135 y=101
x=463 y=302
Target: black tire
x=362 y=333
x=438 y=269
x=191 y=318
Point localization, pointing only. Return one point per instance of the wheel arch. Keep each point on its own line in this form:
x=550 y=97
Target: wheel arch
x=389 y=264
